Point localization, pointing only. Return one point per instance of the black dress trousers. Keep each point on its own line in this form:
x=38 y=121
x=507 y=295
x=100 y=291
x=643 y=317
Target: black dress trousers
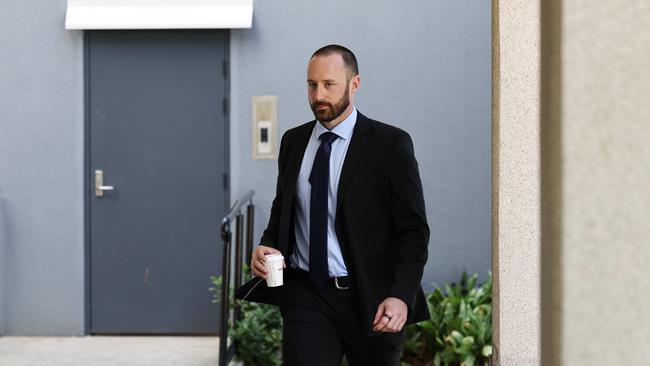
x=321 y=325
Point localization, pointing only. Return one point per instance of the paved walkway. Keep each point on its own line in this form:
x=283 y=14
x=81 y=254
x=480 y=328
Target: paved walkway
x=109 y=351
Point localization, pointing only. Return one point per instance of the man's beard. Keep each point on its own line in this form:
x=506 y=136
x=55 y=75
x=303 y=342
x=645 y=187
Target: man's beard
x=333 y=110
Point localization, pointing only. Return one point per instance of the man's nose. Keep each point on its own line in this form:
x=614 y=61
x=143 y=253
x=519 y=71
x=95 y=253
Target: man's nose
x=319 y=93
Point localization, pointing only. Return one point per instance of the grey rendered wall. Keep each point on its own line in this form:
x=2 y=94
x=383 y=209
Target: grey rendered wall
x=425 y=67
x=41 y=164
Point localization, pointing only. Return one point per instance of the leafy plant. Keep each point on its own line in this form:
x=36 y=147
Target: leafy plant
x=460 y=329
x=459 y=332
x=258 y=333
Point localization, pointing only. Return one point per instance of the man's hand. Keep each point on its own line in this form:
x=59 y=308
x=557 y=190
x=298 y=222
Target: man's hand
x=258 y=258
x=392 y=308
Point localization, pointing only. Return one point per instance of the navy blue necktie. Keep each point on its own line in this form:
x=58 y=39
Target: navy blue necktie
x=318 y=211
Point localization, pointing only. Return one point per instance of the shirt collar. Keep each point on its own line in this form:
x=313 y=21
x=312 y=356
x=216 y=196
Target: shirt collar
x=344 y=129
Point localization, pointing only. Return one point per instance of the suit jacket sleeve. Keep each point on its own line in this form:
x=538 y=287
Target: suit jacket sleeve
x=409 y=217
x=270 y=234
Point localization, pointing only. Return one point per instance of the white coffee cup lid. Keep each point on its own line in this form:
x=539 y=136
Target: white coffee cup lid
x=274 y=257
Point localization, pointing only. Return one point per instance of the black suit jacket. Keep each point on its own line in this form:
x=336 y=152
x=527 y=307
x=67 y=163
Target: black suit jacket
x=381 y=221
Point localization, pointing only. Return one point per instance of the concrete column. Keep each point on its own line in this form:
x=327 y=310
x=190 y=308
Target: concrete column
x=516 y=182
x=3 y=243
x=595 y=182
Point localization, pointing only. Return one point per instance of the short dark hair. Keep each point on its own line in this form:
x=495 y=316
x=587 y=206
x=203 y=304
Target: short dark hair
x=349 y=59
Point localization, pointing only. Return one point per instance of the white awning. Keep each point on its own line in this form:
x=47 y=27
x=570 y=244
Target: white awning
x=158 y=14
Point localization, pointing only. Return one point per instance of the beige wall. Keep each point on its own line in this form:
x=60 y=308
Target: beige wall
x=596 y=182
x=516 y=174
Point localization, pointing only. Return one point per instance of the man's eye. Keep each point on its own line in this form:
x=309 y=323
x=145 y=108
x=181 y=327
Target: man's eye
x=311 y=85
x=329 y=84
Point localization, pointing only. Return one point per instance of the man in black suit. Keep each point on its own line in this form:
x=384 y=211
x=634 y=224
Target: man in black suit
x=349 y=219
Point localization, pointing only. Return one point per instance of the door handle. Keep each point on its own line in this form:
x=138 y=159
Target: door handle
x=99 y=184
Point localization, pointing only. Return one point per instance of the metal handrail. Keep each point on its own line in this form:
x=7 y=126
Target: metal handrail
x=227 y=352
x=236 y=207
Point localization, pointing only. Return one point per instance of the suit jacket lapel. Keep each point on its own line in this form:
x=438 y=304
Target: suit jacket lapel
x=353 y=160
x=353 y=157
x=295 y=159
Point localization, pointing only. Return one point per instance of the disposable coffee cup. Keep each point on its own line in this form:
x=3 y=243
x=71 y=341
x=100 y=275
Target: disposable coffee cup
x=274 y=272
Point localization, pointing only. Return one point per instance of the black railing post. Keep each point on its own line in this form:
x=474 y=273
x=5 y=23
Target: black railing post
x=250 y=226
x=239 y=230
x=226 y=352
x=226 y=236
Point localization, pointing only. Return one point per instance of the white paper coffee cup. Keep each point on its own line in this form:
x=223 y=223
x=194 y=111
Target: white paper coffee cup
x=274 y=276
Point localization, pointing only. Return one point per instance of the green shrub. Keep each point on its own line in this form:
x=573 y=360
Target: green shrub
x=459 y=332
x=258 y=333
x=460 y=329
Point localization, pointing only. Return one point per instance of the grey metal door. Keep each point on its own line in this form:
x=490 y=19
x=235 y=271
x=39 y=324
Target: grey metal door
x=157 y=131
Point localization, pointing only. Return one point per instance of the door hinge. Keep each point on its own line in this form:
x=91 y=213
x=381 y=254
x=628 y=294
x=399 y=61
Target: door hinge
x=225 y=181
x=224 y=68
x=225 y=105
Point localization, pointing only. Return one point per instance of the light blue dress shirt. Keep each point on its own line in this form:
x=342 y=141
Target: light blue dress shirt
x=300 y=257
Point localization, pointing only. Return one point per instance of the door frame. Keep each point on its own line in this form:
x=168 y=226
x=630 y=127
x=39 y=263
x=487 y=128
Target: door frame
x=89 y=178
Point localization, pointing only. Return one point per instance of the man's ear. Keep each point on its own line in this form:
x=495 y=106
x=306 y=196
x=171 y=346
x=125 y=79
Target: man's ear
x=355 y=82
